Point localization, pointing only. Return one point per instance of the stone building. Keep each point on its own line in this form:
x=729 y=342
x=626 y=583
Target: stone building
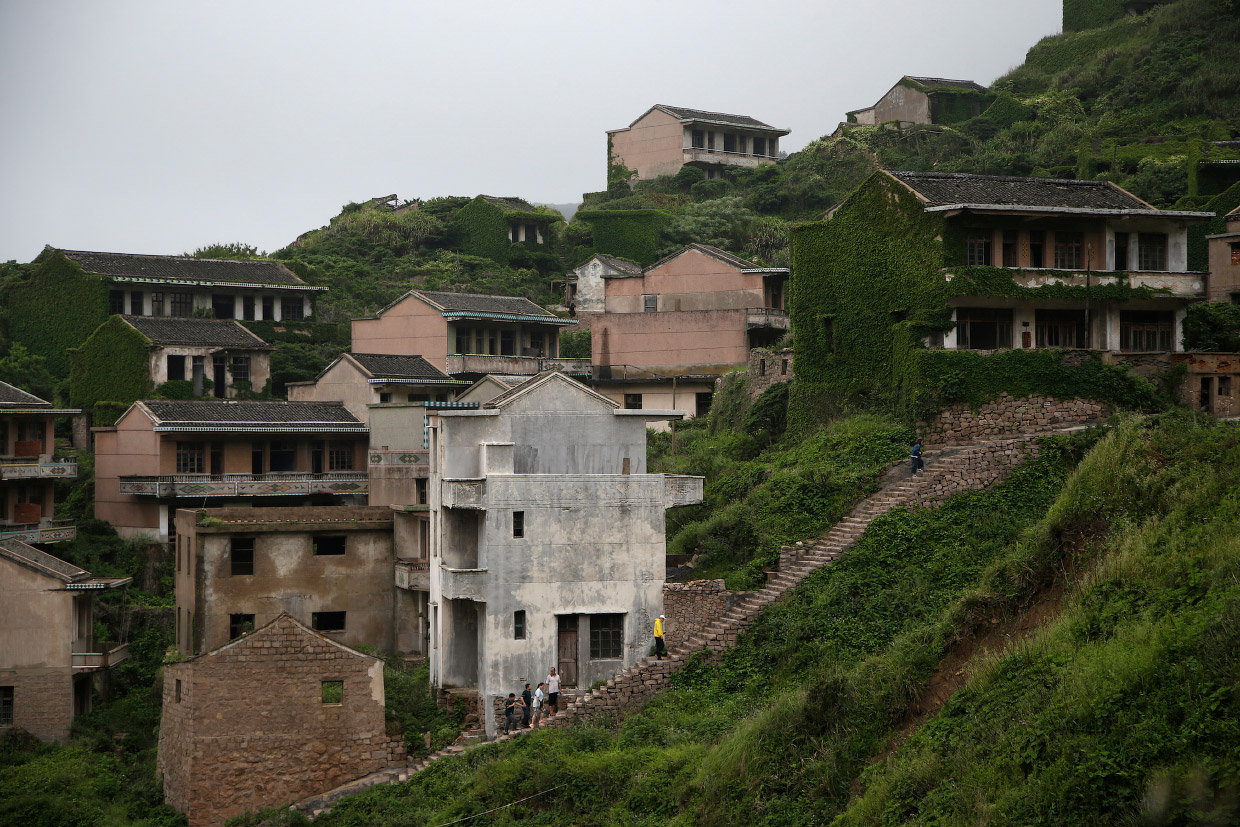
x=925 y=100
x=666 y=138
x=362 y=379
x=48 y=650
x=162 y=455
x=1211 y=382
x=29 y=468
x=1225 y=261
x=280 y=714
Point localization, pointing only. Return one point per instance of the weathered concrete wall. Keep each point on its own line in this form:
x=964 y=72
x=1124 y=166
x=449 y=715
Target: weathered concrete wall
x=692 y=280
x=902 y=103
x=411 y=327
x=768 y=367
x=692 y=606
x=344 y=383
x=1224 y=280
x=1212 y=382
x=246 y=727
x=673 y=342
x=1008 y=415
x=652 y=146
x=42 y=700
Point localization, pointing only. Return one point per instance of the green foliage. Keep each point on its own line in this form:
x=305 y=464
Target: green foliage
x=111 y=365
x=1161 y=182
x=483 y=230
x=1220 y=205
x=722 y=222
x=107 y=412
x=632 y=234
x=1079 y=15
x=714 y=188
x=56 y=309
x=22 y=369
x=575 y=344
x=1212 y=326
x=768 y=416
x=686 y=177
x=236 y=250
x=410 y=705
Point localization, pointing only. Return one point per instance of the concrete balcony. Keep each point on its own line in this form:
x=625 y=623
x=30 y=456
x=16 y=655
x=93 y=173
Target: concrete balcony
x=469 y=494
x=718 y=156
x=681 y=489
x=245 y=485
x=45 y=467
x=1185 y=285
x=101 y=660
x=414 y=575
x=766 y=317
x=462 y=584
x=44 y=531
x=474 y=363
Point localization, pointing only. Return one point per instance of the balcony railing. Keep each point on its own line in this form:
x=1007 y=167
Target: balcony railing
x=101 y=660
x=1187 y=284
x=38 y=467
x=464 y=494
x=766 y=317
x=462 y=584
x=45 y=531
x=731 y=153
x=245 y=485
x=413 y=574
x=514 y=365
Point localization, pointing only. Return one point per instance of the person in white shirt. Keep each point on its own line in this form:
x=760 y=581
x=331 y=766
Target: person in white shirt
x=540 y=698
x=553 y=692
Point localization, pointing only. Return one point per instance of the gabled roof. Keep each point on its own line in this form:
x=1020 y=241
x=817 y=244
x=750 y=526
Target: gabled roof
x=258 y=416
x=942 y=191
x=724 y=256
x=963 y=85
x=686 y=115
x=387 y=366
x=537 y=381
x=72 y=576
x=471 y=306
x=11 y=397
x=509 y=204
x=284 y=624
x=185 y=270
x=620 y=265
x=163 y=330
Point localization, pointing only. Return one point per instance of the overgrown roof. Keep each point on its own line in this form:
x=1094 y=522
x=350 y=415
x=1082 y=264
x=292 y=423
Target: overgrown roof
x=11 y=397
x=386 y=366
x=172 y=414
x=183 y=269
x=42 y=562
x=202 y=332
x=510 y=204
x=963 y=85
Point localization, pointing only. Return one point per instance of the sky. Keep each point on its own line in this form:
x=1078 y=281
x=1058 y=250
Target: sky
x=161 y=127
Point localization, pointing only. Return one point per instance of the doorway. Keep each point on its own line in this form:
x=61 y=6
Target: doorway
x=566 y=658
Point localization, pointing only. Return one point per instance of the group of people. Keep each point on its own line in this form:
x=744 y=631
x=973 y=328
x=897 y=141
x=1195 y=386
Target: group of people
x=532 y=706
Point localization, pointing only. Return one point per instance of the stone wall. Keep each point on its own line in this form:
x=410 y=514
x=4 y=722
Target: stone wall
x=42 y=701
x=691 y=606
x=246 y=726
x=1007 y=416
x=768 y=367
x=969 y=470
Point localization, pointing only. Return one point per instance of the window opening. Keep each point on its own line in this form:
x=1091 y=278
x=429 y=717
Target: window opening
x=135 y=302
x=983 y=328
x=157 y=304
x=339 y=456
x=633 y=401
x=176 y=368
x=241 y=368
x=291 y=310
x=518 y=625
x=650 y=303
x=977 y=247
x=182 y=304
x=1121 y=251
x=332 y=692
x=606 y=636
x=116 y=301
x=518 y=524
x=6 y=706
x=1011 y=248
x=330 y=545
x=247 y=308
x=1152 y=252
x=283 y=456
x=240 y=624
x=191 y=458
x=327 y=621
x=1068 y=250
x=241 y=556
x=1037 y=248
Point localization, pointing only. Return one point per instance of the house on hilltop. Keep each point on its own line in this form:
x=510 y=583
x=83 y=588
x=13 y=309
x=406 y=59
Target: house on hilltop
x=363 y=379
x=29 y=468
x=925 y=100
x=666 y=138
x=489 y=226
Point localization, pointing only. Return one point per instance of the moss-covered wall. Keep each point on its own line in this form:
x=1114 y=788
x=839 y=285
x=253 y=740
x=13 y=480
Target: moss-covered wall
x=110 y=366
x=57 y=309
x=483 y=230
x=632 y=234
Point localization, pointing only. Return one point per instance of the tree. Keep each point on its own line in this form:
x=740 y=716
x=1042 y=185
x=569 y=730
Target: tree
x=25 y=370
x=1212 y=326
x=235 y=249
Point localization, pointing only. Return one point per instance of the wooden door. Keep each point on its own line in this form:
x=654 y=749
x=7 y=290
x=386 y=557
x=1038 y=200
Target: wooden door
x=566 y=663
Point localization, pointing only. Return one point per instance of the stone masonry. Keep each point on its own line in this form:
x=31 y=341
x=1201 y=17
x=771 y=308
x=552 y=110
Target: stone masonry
x=250 y=725
x=693 y=605
x=768 y=367
x=1008 y=415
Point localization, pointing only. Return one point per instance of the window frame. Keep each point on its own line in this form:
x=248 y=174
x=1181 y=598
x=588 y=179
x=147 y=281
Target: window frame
x=1069 y=250
x=633 y=402
x=519 y=625
x=606 y=636
x=292 y=309
x=191 y=457
x=317 y=620
x=8 y=705
x=978 y=247
x=246 y=560
x=329 y=545
x=1152 y=250
x=518 y=525
x=236 y=623
x=180 y=304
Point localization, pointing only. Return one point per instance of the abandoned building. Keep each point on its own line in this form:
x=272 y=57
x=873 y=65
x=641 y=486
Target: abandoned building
x=29 y=468
x=662 y=334
x=666 y=138
x=361 y=379
x=279 y=714
x=925 y=100
x=48 y=650
x=1225 y=261
x=468 y=336
x=162 y=455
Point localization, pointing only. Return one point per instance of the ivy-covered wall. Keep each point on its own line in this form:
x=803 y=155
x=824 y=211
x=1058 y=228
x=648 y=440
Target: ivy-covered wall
x=1220 y=205
x=275 y=333
x=57 y=309
x=110 y=366
x=483 y=230
x=635 y=235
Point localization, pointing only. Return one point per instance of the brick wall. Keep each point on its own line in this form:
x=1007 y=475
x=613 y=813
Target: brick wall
x=768 y=367
x=42 y=701
x=245 y=727
x=691 y=606
x=1006 y=416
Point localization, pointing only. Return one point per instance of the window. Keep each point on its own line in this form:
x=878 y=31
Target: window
x=507 y=343
x=536 y=344
x=762 y=367
x=1068 y=251
x=531 y=233
x=332 y=692
x=699 y=139
x=729 y=142
x=157 y=304
x=518 y=524
x=241 y=556
x=518 y=625
x=983 y=328
x=1037 y=248
x=606 y=636
x=1146 y=330
x=1235 y=254
x=1224 y=386
x=333 y=545
x=116 y=301
x=239 y=624
x=241 y=368
x=178 y=690
x=269 y=308
x=176 y=368
x=418 y=397
x=6 y=706
x=1152 y=252
x=1060 y=328
x=257 y=457
x=283 y=456
x=1121 y=251
x=977 y=247
x=339 y=456
x=759 y=146
x=464 y=342
x=783 y=367
x=421 y=488
x=224 y=306
x=191 y=458
x=632 y=401
x=384 y=397
x=182 y=304
x=135 y=302
x=1011 y=248
x=291 y=309
x=327 y=621
x=247 y=308
x=703 y=400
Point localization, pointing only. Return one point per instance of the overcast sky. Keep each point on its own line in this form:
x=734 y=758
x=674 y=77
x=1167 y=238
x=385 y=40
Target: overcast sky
x=159 y=127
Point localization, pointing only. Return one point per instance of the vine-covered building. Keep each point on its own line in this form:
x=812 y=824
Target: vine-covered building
x=925 y=100
x=1225 y=261
x=666 y=138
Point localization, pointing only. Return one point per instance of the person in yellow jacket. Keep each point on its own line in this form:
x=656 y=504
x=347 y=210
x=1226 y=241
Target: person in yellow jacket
x=659 y=648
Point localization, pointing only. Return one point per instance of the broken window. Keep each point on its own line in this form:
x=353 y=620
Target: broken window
x=241 y=556
x=327 y=621
x=1152 y=252
x=606 y=636
x=330 y=545
x=632 y=401
x=269 y=308
x=1068 y=251
x=241 y=368
x=759 y=146
x=729 y=142
x=507 y=343
x=116 y=301
x=224 y=306
x=1037 y=248
x=332 y=692
x=283 y=456
x=6 y=706
x=518 y=524
x=135 y=302
x=182 y=304
x=339 y=456
x=247 y=308
x=176 y=368
x=240 y=624
x=983 y=328
x=421 y=488
x=650 y=303
x=699 y=139
x=1121 y=251
x=191 y=458
x=977 y=247
x=518 y=625
x=463 y=340
x=384 y=397
x=291 y=309
x=157 y=304
x=1011 y=248
x=702 y=401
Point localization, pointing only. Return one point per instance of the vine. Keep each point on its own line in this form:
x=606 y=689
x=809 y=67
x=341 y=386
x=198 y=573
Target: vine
x=112 y=365
x=57 y=309
x=632 y=234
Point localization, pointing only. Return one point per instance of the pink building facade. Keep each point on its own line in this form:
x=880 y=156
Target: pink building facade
x=666 y=138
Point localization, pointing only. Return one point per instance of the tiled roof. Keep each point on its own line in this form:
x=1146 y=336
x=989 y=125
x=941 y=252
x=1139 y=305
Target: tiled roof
x=470 y=303
x=948 y=82
x=11 y=397
x=205 y=332
x=620 y=264
x=714 y=252
x=180 y=268
x=539 y=379
x=385 y=366
x=942 y=188
x=296 y=415
x=716 y=117
x=42 y=562
x=510 y=204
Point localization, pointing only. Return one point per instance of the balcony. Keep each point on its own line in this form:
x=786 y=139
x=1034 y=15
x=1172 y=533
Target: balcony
x=469 y=363
x=1185 y=285
x=414 y=575
x=769 y=317
x=464 y=494
x=462 y=584
x=702 y=155
x=245 y=485
x=44 y=531
x=101 y=660
x=680 y=489
x=44 y=466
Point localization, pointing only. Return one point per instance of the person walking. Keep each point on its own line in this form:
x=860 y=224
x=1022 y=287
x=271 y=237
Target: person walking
x=540 y=698
x=553 y=693
x=527 y=699
x=918 y=464
x=659 y=648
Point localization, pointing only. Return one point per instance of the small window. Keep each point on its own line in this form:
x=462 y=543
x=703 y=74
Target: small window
x=327 y=621
x=783 y=367
x=116 y=301
x=420 y=487
x=6 y=706
x=518 y=625
x=157 y=304
x=291 y=309
x=332 y=545
x=633 y=401
x=762 y=367
x=702 y=401
x=241 y=556
x=518 y=524
x=384 y=397
x=241 y=368
x=191 y=458
x=240 y=624
x=332 y=692
x=178 y=690
x=606 y=636
x=650 y=303
x=977 y=247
